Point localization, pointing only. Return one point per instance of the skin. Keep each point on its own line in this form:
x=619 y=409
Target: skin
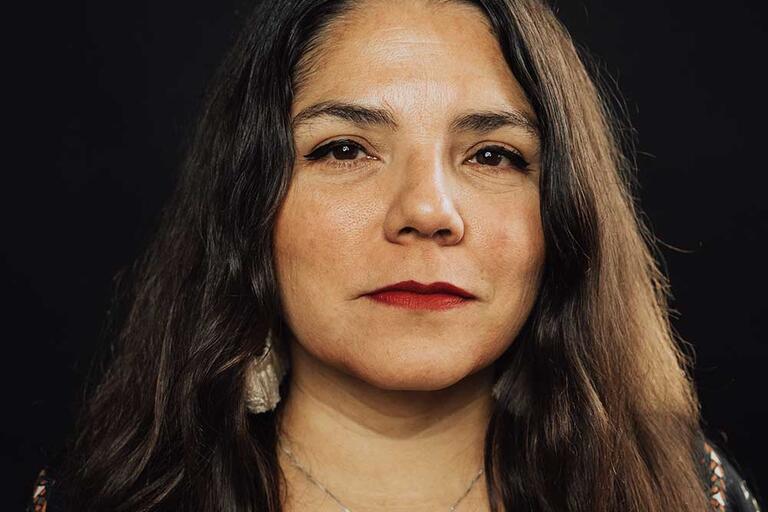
x=388 y=406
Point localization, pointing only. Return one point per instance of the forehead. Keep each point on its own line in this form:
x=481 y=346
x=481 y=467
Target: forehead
x=412 y=56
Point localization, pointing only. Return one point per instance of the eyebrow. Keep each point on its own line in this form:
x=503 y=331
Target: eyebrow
x=368 y=117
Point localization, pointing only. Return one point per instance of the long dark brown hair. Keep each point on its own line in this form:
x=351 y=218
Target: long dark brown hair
x=597 y=410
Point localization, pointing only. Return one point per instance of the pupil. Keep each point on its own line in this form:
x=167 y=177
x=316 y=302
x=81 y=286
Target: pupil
x=487 y=156
x=344 y=152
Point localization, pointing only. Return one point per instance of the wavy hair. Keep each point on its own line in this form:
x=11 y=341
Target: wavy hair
x=597 y=410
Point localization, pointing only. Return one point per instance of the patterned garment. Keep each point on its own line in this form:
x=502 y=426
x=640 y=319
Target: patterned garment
x=40 y=493
x=728 y=492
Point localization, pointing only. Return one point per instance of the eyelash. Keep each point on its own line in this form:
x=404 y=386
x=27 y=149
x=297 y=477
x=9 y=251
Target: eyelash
x=324 y=151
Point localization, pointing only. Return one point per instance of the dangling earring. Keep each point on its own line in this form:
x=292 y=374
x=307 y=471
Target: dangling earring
x=263 y=378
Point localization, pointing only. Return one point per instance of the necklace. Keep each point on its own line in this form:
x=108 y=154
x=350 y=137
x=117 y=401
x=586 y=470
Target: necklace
x=344 y=508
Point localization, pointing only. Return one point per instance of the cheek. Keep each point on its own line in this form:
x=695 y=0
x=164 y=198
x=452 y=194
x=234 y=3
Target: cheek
x=317 y=241
x=320 y=242
x=511 y=245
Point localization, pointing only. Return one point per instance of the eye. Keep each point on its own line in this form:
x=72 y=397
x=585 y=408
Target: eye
x=492 y=156
x=344 y=153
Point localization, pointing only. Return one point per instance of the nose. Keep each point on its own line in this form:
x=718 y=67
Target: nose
x=423 y=206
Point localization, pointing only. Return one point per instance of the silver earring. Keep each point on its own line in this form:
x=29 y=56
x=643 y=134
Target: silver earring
x=263 y=378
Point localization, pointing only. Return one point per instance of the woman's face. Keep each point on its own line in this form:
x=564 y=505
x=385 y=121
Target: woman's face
x=422 y=191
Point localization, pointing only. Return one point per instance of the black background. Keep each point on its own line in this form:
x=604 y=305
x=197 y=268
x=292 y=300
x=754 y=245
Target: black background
x=101 y=95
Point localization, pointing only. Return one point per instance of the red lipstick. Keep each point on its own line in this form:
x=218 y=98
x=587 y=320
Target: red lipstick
x=415 y=295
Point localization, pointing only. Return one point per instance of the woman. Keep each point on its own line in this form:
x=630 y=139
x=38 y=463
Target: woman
x=402 y=271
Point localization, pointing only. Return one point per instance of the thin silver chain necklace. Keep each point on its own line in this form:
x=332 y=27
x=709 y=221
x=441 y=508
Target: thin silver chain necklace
x=344 y=508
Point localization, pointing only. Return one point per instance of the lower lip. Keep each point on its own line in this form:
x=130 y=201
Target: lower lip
x=412 y=300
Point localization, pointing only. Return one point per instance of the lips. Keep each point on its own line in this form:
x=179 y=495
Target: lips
x=415 y=295
x=416 y=287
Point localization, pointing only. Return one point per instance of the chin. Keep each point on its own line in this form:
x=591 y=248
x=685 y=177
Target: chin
x=414 y=375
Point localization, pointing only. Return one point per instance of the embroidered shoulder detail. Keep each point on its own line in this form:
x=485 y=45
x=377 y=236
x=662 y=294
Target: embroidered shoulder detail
x=748 y=497
x=41 y=491
x=715 y=478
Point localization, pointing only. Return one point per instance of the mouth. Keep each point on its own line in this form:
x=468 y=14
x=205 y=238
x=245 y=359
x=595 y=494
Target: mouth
x=415 y=295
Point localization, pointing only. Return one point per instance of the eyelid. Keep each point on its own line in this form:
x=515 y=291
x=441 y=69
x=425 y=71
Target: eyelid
x=497 y=146
x=331 y=144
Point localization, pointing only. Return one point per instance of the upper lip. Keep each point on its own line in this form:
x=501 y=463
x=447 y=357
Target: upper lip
x=416 y=287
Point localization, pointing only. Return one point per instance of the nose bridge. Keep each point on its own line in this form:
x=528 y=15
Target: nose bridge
x=424 y=203
x=425 y=172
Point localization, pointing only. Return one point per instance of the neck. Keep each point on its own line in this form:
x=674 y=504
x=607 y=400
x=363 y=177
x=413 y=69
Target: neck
x=378 y=449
